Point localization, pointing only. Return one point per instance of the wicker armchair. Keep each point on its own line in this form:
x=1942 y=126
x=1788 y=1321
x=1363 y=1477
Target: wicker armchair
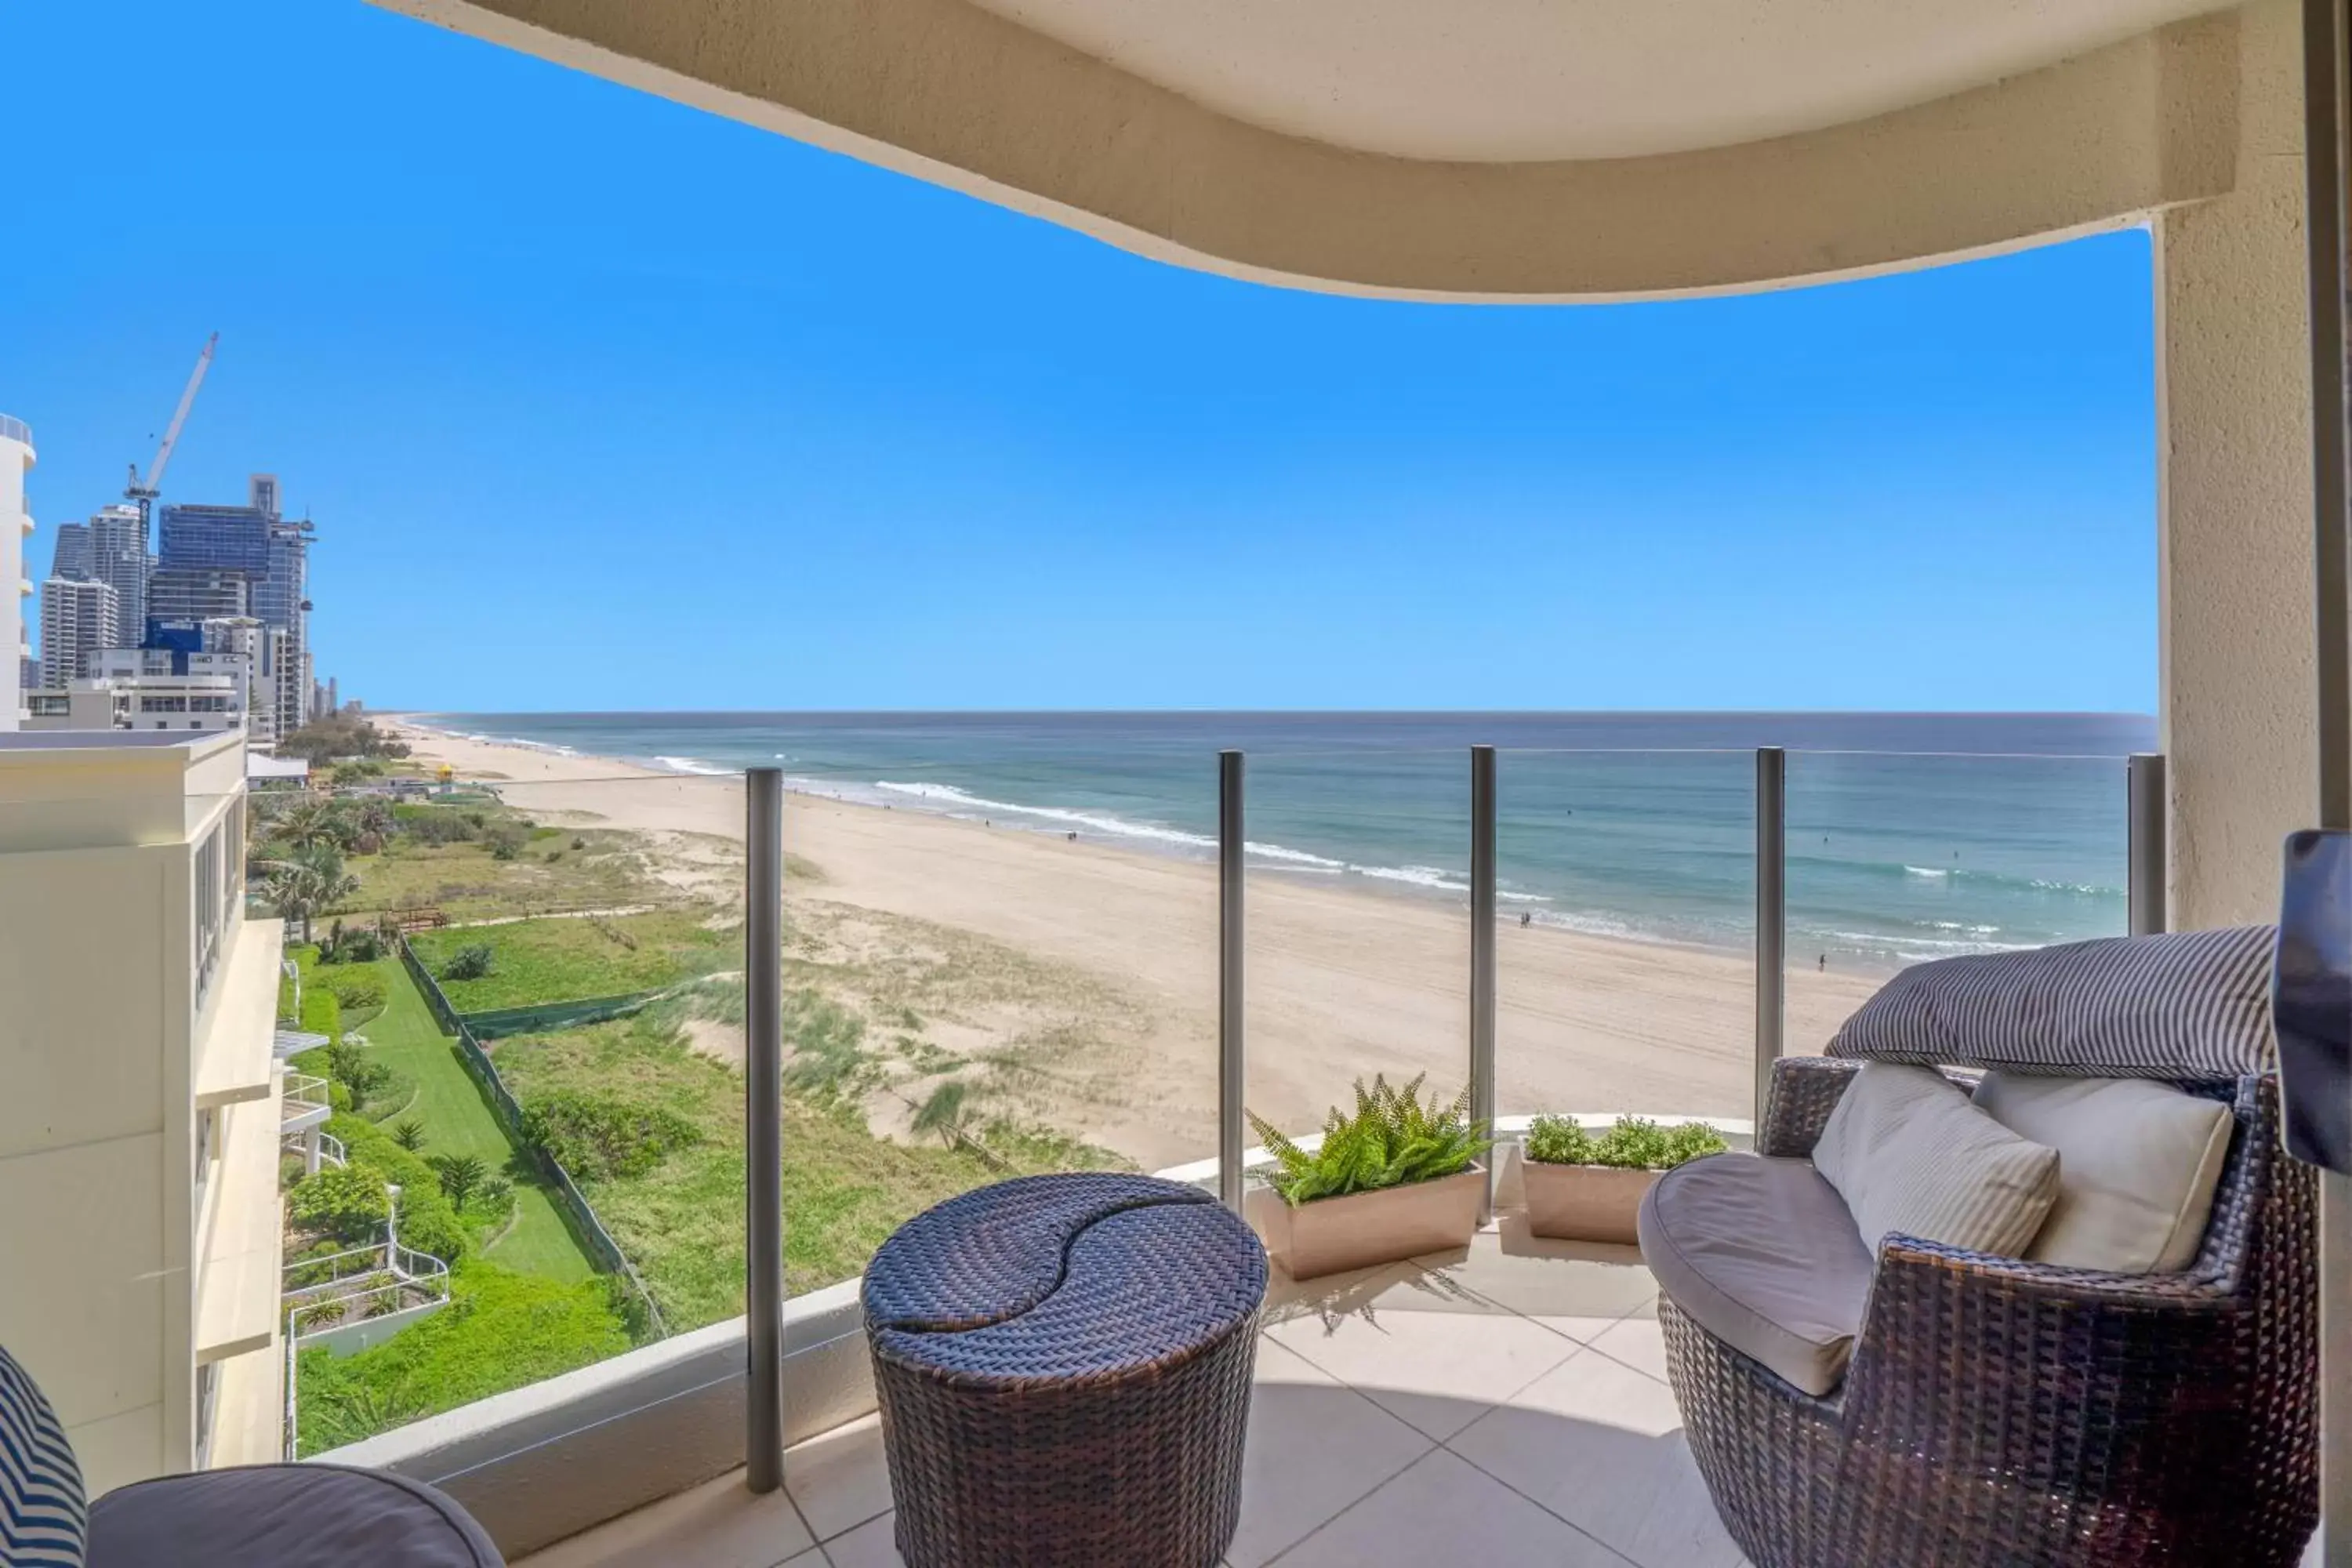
x=1998 y=1411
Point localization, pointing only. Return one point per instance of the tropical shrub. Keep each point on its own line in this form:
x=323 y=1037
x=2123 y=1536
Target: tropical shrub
x=1634 y=1143
x=471 y=962
x=500 y=1330
x=348 y=1202
x=409 y=1134
x=597 y=1137
x=427 y=1222
x=1392 y=1141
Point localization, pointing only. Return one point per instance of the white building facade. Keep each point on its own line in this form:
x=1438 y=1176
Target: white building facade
x=16 y=529
x=139 y=1135
x=80 y=620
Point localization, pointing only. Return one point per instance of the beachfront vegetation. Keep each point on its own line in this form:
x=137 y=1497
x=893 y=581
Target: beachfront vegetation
x=334 y=735
x=1632 y=1143
x=1390 y=1141
x=567 y=959
x=501 y=1329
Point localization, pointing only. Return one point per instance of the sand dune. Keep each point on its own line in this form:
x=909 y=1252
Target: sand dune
x=1341 y=981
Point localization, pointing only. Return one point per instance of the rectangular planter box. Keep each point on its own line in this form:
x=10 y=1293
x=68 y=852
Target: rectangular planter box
x=1584 y=1202
x=1330 y=1235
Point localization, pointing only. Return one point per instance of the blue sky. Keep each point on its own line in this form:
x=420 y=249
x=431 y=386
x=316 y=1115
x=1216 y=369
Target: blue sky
x=600 y=403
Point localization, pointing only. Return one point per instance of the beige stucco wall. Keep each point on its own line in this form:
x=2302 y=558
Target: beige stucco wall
x=2234 y=502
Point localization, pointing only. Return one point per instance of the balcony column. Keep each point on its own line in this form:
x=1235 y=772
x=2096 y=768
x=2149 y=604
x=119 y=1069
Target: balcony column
x=310 y=1152
x=2234 y=502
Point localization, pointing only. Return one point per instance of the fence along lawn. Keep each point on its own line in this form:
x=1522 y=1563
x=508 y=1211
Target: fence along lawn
x=565 y=959
x=456 y=1120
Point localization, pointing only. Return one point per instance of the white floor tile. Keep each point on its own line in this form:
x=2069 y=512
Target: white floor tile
x=1638 y=1341
x=1444 y=1511
x=1601 y=1446
x=718 y=1525
x=1315 y=1447
x=840 y=1479
x=1424 y=1349
x=870 y=1545
x=1578 y=1288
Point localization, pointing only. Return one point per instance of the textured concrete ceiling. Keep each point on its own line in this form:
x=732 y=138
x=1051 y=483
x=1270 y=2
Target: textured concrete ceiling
x=1517 y=80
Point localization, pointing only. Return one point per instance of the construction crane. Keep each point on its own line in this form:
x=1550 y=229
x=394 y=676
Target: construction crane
x=144 y=492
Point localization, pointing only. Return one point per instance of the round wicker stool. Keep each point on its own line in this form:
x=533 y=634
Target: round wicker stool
x=1064 y=1365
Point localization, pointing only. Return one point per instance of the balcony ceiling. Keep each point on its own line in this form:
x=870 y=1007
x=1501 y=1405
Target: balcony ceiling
x=1473 y=149
x=1526 y=80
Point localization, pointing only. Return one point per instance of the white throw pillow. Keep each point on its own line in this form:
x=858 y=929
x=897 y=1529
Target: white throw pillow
x=2137 y=1163
x=1913 y=1155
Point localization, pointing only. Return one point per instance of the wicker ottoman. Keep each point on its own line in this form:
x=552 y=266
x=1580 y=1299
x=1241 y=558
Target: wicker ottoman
x=1064 y=1365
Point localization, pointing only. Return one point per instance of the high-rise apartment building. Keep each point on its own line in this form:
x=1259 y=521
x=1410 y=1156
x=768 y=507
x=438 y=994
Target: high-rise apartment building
x=16 y=526
x=139 y=1135
x=203 y=547
x=197 y=594
x=69 y=552
x=119 y=557
x=79 y=619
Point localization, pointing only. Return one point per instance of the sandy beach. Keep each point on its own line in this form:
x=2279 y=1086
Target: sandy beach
x=1082 y=976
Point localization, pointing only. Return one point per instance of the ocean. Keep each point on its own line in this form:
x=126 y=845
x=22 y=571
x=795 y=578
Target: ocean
x=1910 y=836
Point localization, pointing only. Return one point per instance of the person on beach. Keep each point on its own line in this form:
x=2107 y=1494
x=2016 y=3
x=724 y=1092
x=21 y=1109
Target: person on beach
x=1825 y=964
x=1526 y=919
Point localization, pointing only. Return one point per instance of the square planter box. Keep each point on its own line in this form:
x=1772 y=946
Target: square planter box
x=1330 y=1235
x=1584 y=1202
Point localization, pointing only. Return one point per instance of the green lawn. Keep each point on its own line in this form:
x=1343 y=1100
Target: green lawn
x=457 y=1120
x=566 y=959
x=682 y=1223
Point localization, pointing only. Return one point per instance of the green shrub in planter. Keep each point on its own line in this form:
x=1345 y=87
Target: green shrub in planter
x=1392 y=1140
x=1634 y=1143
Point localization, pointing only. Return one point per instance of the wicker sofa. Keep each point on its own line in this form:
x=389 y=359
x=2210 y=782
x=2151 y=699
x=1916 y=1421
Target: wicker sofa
x=1998 y=1411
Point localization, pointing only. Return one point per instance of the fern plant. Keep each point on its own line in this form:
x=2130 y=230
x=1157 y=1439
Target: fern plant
x=1634 y=1143
x=1393 y=1140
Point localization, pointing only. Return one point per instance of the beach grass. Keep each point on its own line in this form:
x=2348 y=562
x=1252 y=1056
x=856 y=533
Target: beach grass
x=457 y=1120
x=584 y=868
x=681 y=1222
x=566 y=958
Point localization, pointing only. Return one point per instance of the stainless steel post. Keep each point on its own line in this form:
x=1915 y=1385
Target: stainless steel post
x=2144 y=794
x=2327 y=163
x=763 y=1122
x=1771 y=917
x=1482 y=953
x=1231 y=1085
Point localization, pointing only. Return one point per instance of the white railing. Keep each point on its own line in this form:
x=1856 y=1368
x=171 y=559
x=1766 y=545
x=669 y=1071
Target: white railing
x=319 y=1292
x=14 y=430
x=320 y=1295
x=304 y=1095
x=330 y=1148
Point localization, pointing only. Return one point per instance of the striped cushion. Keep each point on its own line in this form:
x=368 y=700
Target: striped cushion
x=43 y=1521
x=1913 y=1155
x=2185 y=1005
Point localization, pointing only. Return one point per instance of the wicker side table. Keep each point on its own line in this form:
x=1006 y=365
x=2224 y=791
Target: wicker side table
x=1064 y=1365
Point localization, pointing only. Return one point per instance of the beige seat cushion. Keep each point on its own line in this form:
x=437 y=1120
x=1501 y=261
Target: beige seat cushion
x=1761 y=1254
x=1913 y=1155
x=2137 y=1163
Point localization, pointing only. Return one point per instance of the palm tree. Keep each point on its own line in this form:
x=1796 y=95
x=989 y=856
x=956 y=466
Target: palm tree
x=311 y=879
x=308 y=823
x=461 y=1177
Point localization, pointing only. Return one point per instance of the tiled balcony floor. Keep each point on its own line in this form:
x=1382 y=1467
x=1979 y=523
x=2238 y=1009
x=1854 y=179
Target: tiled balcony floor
x=1508 y=1405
